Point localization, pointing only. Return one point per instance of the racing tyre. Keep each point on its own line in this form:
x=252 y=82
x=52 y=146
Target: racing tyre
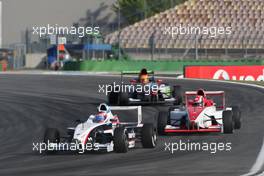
x=51 y=135
x=149 y=136
x=70 y=133
x=120 y=141
x=113 y=98
x=177 y=94
x=236 y=117
x=162 y=122
x=123 y=99
x=227 y=122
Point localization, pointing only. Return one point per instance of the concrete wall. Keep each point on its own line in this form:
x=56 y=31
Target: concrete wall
x=36 y=60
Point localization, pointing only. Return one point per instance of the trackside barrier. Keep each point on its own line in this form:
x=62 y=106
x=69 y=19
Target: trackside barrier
x=176 y=65
x=241 y=73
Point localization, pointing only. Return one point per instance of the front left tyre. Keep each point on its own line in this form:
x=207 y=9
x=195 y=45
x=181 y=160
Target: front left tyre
x=113 y=98
x=123 y=99
x=236 y=117
x=148 y=136
x=162 y=122
x=120 y=140
x=120 y=98
x=227 y=122
x=177 y=94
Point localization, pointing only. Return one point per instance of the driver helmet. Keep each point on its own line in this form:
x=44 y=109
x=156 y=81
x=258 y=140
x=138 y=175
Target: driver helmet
x=143 y=77
x=200 y=96
x=103 y=108
x=201 y=92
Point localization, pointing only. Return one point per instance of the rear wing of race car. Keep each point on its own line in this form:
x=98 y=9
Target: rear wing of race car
x=135 y=72
x=151 y=72
x=128 y=108
x=206 y=92
x=210 y=94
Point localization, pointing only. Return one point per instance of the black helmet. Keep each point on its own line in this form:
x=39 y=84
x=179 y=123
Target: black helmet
x=143 y=71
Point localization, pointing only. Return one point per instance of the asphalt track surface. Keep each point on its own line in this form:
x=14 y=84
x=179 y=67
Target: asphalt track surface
x=30 y=103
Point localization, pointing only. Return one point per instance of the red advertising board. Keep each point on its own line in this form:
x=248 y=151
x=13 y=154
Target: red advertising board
x=247 y=73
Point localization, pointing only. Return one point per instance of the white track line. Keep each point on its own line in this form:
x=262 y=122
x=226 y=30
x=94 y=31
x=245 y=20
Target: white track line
x=258 y=163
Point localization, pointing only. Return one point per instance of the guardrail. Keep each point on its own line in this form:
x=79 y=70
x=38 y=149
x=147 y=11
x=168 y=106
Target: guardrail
x=176 y=65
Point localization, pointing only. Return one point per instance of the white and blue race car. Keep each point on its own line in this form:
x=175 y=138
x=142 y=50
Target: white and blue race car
x=104 y=131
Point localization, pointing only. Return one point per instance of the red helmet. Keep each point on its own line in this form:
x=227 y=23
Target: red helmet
x=201 y=92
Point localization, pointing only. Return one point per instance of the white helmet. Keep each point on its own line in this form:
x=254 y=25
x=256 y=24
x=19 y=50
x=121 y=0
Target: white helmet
x=103 y=108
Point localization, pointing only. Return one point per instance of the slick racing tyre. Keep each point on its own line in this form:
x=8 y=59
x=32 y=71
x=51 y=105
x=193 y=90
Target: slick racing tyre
x=162 y=122
x=51 y=135
x=113 y=98
x=177 y=94
x=123 y=99
x=236 y=117
x=148 y=136
x=120 y=140
x=227 y=122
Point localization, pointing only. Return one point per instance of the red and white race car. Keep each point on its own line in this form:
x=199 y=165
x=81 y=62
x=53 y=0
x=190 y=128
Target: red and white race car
x=204 y=111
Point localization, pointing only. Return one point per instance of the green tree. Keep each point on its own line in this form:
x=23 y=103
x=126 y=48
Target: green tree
x=130 y=10
x=135 y=10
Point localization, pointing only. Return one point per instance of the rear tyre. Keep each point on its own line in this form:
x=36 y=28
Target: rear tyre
x=51 y=135
x=227 y=122
x=177 y=94
x=162 y=122
x=236 y=117
x=113 y=98
x=149 y=136
x=120 y=140
x=123 y=98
